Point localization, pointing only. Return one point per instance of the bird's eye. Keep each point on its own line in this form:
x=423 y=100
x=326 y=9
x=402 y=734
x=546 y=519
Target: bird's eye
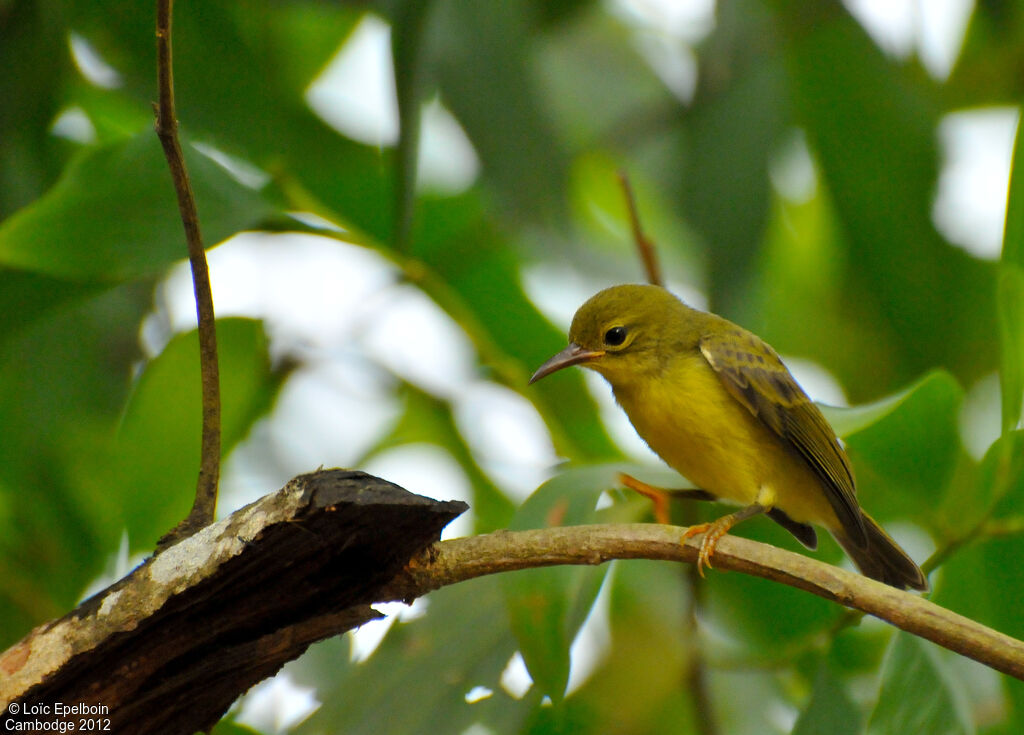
x=615 y=336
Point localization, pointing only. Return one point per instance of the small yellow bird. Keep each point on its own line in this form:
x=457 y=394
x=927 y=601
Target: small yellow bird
x=719 y=406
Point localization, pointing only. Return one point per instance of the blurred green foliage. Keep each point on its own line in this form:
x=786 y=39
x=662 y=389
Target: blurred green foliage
x=100 y=440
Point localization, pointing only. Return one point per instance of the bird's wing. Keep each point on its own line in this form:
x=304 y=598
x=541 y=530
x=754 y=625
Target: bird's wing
x=755 y=376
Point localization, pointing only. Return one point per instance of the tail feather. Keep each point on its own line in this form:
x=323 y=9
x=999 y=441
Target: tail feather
x=882 y=559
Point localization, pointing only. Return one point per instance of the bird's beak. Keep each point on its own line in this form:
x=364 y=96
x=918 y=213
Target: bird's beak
x=571 y=355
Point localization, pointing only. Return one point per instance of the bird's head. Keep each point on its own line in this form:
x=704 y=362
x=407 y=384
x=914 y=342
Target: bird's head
x=623 y=332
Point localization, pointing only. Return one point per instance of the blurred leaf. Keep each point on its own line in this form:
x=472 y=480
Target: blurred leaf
x=639 y=685
x=416 y=682
x=61 y=378
x=766 y=619
x=1002 y=476
x=1013 y=231
x=113 y=215
x=879 y=161
x=156 y=457
x=476 y=280
x=1010 y=297
x=597 y=83
x=601 y=212
x=804 y=257
x=229 y=727
x=298 y=38
x=991 y=47
x=407 y=41
x=982 y=582
x=978 y=580
x=34 y=54
x=830 y=710
x=26 y=296
x=484 y=71
x=429 y=419
x=737 y=118
x=905 y=459
x=547 y=606
x=917 y=694
x=346 y=182
x=849 y=421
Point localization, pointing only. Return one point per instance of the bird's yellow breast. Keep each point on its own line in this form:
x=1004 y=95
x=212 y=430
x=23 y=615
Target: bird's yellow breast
x=690 y=420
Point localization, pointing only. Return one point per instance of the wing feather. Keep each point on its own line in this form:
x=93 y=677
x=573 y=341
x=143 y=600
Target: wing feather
x=755 y=376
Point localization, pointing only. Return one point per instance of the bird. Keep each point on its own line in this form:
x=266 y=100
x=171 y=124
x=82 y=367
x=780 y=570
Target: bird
x=719 y=406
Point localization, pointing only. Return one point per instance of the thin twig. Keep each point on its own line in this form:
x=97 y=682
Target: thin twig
x=643 y=245
x=457 y=560
x=205 y=503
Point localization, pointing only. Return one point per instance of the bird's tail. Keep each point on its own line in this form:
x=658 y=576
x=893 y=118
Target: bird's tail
x=883 y=559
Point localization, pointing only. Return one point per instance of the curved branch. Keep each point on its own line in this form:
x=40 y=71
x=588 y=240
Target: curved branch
x=173 y=644
x=449 y=562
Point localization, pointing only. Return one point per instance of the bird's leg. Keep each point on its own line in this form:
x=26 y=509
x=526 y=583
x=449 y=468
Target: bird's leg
x=657 y=496
x=660 y=497
x=715 y=530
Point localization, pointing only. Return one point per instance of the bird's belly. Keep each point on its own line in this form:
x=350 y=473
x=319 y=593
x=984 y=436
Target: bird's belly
x=716 y=443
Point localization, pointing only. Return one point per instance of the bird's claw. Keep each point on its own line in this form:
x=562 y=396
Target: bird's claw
x=712 y=533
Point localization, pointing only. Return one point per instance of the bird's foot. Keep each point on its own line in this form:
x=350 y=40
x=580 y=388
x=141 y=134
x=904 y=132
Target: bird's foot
x=712 y=532
x=659 y=497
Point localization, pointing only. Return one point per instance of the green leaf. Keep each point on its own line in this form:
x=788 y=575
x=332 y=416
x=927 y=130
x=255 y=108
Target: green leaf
x=851 y=420
x=429 y=419
x=26 y=296
x=113 y=215
x=477 y=283
x=320 y=170
x=917 y=695
x=982 y=582
x=870 y=125
x=63 y=382
x=407 y=41
x=484 y=71
x=416 y=682
x=33 y=54
x=157 y=446
x=547 y=606
x=1002 y=477
x=1013 y=231
x=766 y=619
x=830 y=710
x=731 y=129
x=639 y=684
x=1010 y=299
x=1010 y=295
x=228 y=727
x=906 y=455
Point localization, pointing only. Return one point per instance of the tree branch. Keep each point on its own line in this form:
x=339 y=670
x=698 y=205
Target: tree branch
x=173 y=644
x=168 y=648
x=167 y=131
x=457 y=560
